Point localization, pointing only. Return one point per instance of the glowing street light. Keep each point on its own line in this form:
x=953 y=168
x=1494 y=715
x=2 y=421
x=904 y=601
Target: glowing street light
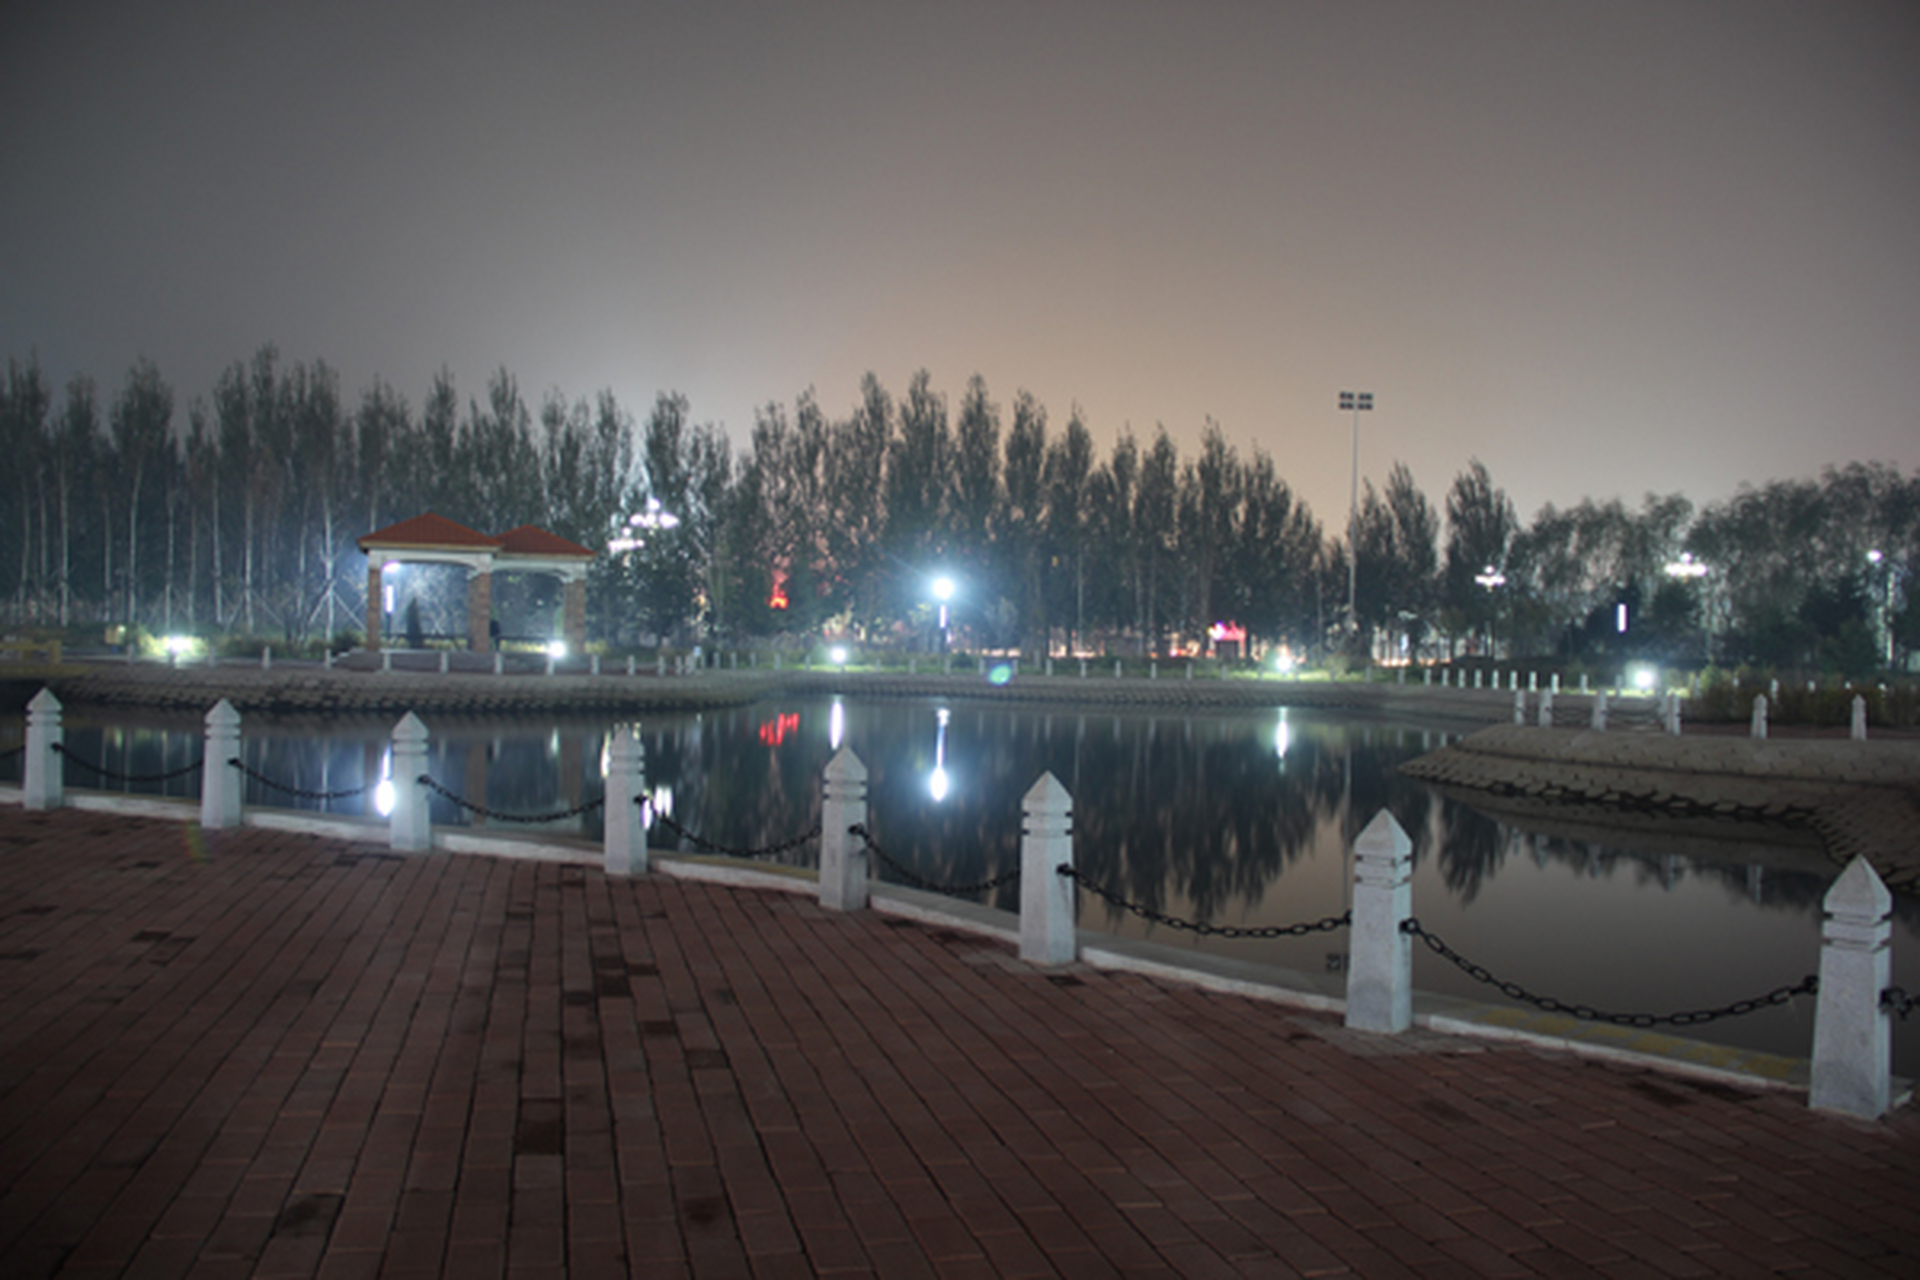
x=1356 y=403
x=1686 y=567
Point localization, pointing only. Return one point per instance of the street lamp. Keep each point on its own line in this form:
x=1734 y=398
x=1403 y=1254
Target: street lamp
x=943 y=592
x=1354 y=402
x=1492 y=579
x=1876 y=557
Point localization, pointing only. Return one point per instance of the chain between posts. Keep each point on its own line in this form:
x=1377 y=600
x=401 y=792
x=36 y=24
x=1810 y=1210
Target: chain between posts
x=298 y=792
x=11 y=752
x=1809 y=985
x=1897 y=1002
x=732 y=851
x=919 y=882
x=492 y=815
x=113 y=775
x=1200 y=927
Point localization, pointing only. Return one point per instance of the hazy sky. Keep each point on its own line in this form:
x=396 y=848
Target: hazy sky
x=1605 y=247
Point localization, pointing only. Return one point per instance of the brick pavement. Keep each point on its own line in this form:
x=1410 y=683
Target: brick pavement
x=259 y=1053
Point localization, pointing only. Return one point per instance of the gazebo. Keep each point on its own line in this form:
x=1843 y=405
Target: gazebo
x=434 y=539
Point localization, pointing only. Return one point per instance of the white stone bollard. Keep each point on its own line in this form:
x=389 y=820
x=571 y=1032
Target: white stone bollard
x=629 y=664
x=1519 y=707
x=43 y=770
x=660 y=665
x=1546 y=709
x=444 y=656
x=1476 y=677
x=593 y=665
x=326 y=658
x=499 y=662
x=1083 y=668
x=845 y=872
x=266 y=658
x=1046 y=896
x=912 y=667
x=1380 y=953
x=1773 y=691
x=1852 y=1033
x=411 y=830
x=1533 y=682
x=1189 y=671
x=1583 y=684
x=386 y=659
x=1116 y=668
x=1426 y=678
x=946 y=665
x=1599 y=721
x=1153 y=670
x=1757 y=725
x=1553 y=685
x=625 y=823
x=221 y=781
x=1049 y=666
x=549 y=664
x=1859 y=727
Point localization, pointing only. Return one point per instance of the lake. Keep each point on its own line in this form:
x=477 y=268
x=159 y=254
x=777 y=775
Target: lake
x=1234 y=818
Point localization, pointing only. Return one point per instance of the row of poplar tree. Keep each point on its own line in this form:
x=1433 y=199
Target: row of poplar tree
x=239 y=516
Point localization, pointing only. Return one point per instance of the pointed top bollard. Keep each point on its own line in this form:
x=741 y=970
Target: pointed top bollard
x=42 y=771
x=1519 y=706
x=1599 y=720
x=1380 y=953
x=1047 y=898
x=625 y=823
x=1852 y=1032
x=845 y=872
x=412 y=824
x=1757 y=725
x=1546 y=708
x=220 y=777
x=1858 y=730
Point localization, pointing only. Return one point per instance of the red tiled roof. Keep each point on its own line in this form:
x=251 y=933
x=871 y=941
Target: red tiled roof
x=431 y=530
x=530 y=541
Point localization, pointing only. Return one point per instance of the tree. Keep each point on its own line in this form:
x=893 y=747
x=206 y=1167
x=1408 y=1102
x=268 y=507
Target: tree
x=141 y=421
x=1480 y=527
x=1024 y=525
x=1069 y=474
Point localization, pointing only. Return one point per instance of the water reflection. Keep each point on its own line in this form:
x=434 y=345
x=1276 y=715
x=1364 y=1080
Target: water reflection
x=1242 y=819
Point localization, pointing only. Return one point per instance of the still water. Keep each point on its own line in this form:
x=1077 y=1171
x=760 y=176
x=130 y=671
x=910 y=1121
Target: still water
x=1237 y=819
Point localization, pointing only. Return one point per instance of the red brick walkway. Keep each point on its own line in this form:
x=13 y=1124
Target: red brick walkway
x=264 y=1054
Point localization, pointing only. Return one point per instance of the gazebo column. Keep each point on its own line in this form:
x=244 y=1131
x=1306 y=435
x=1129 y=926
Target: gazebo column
x=374 y=601
x=479 y=610
x=574 y=616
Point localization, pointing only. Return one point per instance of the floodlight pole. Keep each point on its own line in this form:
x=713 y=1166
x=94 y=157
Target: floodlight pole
x=1355 y=402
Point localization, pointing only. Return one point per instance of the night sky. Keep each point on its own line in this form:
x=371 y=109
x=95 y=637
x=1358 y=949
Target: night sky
x=1605 y=247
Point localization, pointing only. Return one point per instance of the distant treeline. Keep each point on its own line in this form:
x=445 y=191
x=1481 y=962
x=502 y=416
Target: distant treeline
x=239 y=516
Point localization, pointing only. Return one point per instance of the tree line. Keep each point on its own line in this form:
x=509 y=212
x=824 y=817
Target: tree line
x=238 y=517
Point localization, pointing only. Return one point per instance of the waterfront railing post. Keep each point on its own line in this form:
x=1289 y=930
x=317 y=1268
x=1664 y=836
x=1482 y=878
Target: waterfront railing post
x=221 y=782
x=412 y=826
x=1546 y=708
x=1598 y=722
x=1673 y=712
x=1858 y=731
x=1046 y=896
x=42 y=772
x=1380 y=952
x=1757 y=725
x=1519 y=706
x=844 y=871
x=625 y=821
x=1852 y=1032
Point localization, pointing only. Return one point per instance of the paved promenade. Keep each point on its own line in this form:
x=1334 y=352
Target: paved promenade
x=260 y=1053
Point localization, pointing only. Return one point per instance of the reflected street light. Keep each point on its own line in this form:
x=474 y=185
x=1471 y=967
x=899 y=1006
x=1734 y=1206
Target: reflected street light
x=1355 y=402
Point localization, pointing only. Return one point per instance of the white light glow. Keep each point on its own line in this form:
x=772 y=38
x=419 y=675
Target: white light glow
x=838 y=655
x=836 y=725
x=1643 y=678
x=556 y=649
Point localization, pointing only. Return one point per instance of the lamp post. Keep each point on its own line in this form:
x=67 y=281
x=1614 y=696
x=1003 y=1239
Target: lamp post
x=1492 y=579
x=1687 y=569
x=1354 y=402
x=943 y=592
x=1878 y=559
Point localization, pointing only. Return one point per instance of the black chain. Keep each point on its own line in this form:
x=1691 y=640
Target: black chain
x=1807 y=986
x=1201 y=927
x=951 y=890
x=11 y=752
x=1897 y=1002
x=300 y=792
x=115 y=776
x=494 y=815
x=732 y=851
